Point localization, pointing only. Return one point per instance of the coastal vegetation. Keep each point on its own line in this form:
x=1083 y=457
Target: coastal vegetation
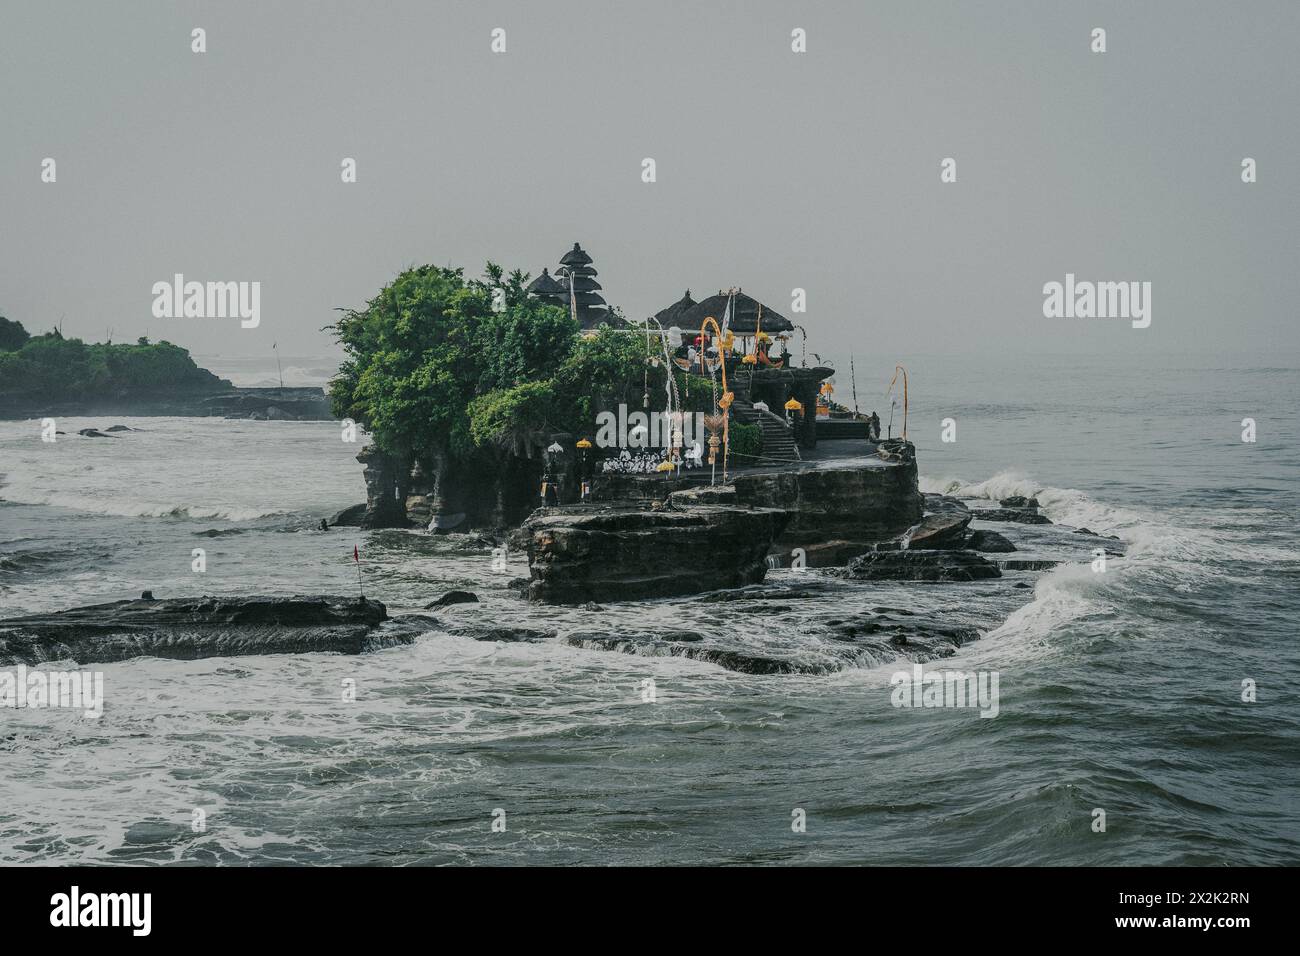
x=443 y=368
x=53 y=368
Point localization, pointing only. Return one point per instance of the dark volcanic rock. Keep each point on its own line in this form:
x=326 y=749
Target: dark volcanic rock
x=919 y=566
x=1094 y=534
x=918 y=640
x=507 y=633
x=1019 y=516
x=660 y=645
x=93 y=433
x=989 y=542
x=822 y=554
x=862 y=503
x=190 y=628
x=584 y=553
x=940 y=531
x=1020 y=501
x=453 y=597
x=120 y=428
x=945 y=504
x=386 y=479
x=349 y=517
x=756 y=594
x=1028 y=565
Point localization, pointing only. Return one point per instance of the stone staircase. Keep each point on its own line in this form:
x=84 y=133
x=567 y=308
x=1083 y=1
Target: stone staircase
x=778 y=437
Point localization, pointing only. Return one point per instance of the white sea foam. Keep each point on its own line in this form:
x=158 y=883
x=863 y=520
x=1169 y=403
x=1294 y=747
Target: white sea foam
x=1218 y=536
x=92 y=503
x=188 y=468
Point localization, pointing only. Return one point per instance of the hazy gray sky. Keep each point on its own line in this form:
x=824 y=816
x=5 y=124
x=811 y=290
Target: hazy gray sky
x=775 y=170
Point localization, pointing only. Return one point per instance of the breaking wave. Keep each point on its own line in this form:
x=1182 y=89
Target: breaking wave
x=1160 y=551
x=127 y=508
x=1221 y=536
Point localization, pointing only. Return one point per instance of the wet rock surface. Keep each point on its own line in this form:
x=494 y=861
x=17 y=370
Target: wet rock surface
x=848 y=502
x=349 y=517
x=1019 y=502
x=943 y=530
x=453 y=597
x=658 y=645
x=507 y=633
x=1017 y=515
x=945 y=504
x=1016 y=564
x=586 y=553
x=914 y=565
x=191 y=628
x=989 y=542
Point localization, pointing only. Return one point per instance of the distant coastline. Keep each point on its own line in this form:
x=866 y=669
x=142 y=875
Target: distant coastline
x=49 y=375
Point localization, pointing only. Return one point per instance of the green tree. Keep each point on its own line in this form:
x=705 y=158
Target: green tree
x=433 y=370
x=68 y=369
x=12 y=335
x=430 y=343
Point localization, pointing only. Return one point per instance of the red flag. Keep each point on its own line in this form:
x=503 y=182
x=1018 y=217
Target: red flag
x=356 y=555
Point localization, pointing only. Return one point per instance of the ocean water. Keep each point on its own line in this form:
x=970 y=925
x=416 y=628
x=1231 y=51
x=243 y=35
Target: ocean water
x=1119 y=691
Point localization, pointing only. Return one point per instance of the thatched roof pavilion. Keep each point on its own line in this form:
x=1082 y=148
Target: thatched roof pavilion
x=744 y=318
x=673 y=314
x=545 y=286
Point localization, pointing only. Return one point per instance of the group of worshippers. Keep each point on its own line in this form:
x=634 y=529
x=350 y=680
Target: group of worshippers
x=649 y=462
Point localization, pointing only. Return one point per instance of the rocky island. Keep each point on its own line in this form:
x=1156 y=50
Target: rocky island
x=700 y=490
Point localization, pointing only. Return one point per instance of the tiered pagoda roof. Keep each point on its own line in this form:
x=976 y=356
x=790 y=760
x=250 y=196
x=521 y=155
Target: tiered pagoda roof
x=574 y=286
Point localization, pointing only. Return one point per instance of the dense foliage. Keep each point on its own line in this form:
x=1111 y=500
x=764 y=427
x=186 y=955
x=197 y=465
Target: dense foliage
x=12 y=335
x=744 y=442
x=433 y=370
x=55 y=368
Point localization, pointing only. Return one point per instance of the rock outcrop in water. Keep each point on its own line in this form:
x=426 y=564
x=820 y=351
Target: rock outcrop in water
x=581 y=554
x=191 y=628
x=945 y=530
x=862 y=640
x=743 y=661
x=1015 y=515
x=920 y=566
x=989 y=542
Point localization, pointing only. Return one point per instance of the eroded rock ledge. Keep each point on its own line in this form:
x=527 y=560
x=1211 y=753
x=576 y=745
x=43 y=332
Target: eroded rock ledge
x=191 y=628
x=586 y=553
